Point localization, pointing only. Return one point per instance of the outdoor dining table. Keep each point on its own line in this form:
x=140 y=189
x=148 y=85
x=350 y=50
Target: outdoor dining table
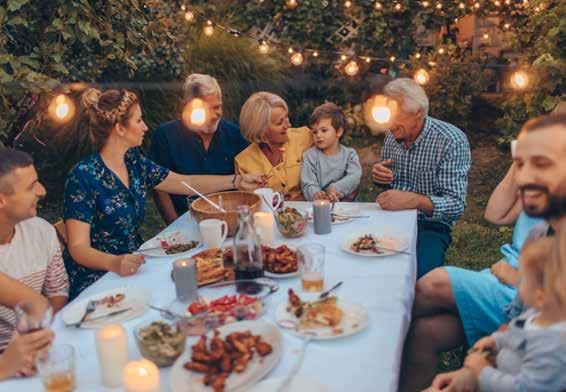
x=367 y=361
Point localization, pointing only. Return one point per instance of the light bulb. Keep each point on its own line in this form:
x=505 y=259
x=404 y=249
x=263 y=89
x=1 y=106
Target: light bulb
x=519 y=80
x=438 y=6
x=368 y=60
x=183 y=7
x=378 y=6
x=485 y=36
x=315 y=54
x=497 y=3
x=347 y=4
x=263 y=48
x=195 y=112
x=291 y=3
x=477 y=5
x=343 y=57
x=290 y=50
x=351 y=68
x=392 y=58
x=461 y=6
x=380 y=110
x=418 y=56
x=507 y=2
x=297 y=59
x=209 y=29
x=61 y=108
x=397 y=7
x=421 y=76
x=506 y=26
x=189 y=16
x=441 y=51
x=426 y=4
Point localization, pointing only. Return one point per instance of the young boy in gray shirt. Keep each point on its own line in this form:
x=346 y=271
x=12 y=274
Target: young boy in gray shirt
x=330 y=170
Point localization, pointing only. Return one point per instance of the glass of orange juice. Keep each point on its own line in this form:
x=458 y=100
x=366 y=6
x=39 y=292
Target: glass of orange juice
x=311 y=259
x=56 y=367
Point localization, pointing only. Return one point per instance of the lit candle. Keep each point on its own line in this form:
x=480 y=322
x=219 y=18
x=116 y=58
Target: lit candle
x=265 y=226
x=322 y=219
x=141 y=376
x=185 y=277
x=112 y=349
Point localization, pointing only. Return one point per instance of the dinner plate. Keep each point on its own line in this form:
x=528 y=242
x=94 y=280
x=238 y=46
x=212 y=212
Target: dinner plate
x=342 y=209
x=354 y=320
x=155 y=249
x=182 y=380
x=392 y=242
x=136 y=300
x=297 y=384
x=282 y=276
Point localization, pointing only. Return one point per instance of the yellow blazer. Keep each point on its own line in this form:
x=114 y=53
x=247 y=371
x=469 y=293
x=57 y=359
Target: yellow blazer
x=286 y=176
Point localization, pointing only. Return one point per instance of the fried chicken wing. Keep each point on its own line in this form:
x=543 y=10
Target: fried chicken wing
x=198 y=367
x=263 y=348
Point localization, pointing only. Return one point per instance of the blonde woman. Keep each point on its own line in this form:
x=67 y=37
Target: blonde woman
x=276 y=149
x=105 y=194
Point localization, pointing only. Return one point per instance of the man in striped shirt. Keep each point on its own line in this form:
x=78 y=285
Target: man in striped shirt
x=29 y=248
x=425 y=164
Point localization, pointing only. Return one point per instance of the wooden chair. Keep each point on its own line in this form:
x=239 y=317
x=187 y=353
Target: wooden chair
x=61 y=231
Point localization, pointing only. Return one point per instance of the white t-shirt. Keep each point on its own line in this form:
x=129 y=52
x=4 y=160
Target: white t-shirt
x=34 y=258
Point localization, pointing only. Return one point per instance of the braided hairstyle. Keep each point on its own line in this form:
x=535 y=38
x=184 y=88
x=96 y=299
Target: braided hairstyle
x=104 y=110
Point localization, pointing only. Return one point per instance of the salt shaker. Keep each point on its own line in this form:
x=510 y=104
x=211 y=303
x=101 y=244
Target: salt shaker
x=185 y=277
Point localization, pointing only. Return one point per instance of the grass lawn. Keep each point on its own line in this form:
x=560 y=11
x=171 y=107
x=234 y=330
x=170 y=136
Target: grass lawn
x=475 y=242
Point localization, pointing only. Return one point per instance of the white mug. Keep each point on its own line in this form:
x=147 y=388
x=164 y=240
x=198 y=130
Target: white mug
x=268 y=197
x=213 y=232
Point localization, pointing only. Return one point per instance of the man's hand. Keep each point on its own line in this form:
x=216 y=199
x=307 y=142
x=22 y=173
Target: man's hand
x=476 y=362
x=381 y=172
x=395 y=200
x=506 y=274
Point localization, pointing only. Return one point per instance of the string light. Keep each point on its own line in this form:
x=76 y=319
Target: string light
x=290 y=50
x=392 y=58
x=315 y=54
x=477 y=5
x=418 y=55
x=378 y=6
x=368 y=60
x=507 y=2
x=343 y=57
x=506 y=26
x=189 y=16
x=291 y=3
x=441 y=51
x=382 y=109
x=461 y=6
x=438 y=6
x=297 y=59
x=208 y=29
x=421 y=77
x=485 y=36
x=351 y=69
x=519 y=80
x=263 y=47
x=183 y=7
x=61 y=108
x=426 y=4
x=347 y=4
x=497 y=3
x=397 y=7
x=195 y=113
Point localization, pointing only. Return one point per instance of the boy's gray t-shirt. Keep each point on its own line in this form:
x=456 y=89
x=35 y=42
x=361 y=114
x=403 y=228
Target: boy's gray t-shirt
x=318 y=171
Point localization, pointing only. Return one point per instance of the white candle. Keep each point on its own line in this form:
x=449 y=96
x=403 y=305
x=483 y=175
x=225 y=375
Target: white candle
x=265 y=226
x=141 y=376
x=112 y=349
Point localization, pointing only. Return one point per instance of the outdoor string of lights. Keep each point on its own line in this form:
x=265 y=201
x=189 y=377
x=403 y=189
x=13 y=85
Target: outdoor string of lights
x=195 y=113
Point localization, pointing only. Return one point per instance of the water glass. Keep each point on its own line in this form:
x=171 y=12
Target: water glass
x=311 y=259
x=33 y=316
x=56 y=368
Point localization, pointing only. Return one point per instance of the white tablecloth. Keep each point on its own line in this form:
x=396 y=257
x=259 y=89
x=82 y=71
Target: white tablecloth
x=368 y=361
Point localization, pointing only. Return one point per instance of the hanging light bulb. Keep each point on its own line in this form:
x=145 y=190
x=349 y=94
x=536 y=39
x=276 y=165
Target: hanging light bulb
x=461 y=6
x=421 y=77
x=315 y=54
x=441 y=51
x=378 y=6
x=263 y=47
x=392 y=58
x=183 y=7
x=418 y=55
x=456 y=20
x=347 y=4
x=507 y=2
x=497 y=3
x=195 y=113
x=477 y=5
x=507 y=25
x=438 y=6
x=208 y=29
x=297 y=59
x=485 y=36
x=382 y=109
x=291 y=3
x=351 y=68
x=189 y=16
x=368 y=60
x=519 y=80
x=343 y=57
x=425 y=4
x=397 y=7
x=290 y=50
x=61 y=108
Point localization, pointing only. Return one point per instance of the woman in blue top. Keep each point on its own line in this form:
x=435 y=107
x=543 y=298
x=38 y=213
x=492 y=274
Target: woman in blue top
x=105 y=194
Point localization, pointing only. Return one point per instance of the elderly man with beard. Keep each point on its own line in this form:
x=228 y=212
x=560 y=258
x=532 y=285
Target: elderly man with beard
x=192 y=149
x=442 y=312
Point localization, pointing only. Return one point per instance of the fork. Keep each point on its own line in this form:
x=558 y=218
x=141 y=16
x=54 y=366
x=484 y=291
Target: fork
x=90 y=307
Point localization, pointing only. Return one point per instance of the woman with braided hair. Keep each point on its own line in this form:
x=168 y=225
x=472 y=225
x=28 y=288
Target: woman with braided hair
x=105 y=193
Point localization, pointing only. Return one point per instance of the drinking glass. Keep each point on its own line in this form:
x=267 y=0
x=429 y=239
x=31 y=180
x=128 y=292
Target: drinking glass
x=56 y=368
x=32 y=316
x=311 y=259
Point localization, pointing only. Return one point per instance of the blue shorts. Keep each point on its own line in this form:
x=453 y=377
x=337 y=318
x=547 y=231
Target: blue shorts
x=481 y=301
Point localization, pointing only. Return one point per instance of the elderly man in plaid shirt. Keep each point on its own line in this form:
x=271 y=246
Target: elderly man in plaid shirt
x=425 y=163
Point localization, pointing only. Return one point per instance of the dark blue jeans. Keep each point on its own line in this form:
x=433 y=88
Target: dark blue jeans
x=432 y=241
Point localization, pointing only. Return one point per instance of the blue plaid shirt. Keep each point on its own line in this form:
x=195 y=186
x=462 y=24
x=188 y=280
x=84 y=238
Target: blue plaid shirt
x=435 y=165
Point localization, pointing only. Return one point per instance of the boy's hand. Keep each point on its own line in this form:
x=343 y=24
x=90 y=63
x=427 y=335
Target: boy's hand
x=476 y=362
x=320 y=196
x=505 y=273
x=333 y=194
x=485 y=344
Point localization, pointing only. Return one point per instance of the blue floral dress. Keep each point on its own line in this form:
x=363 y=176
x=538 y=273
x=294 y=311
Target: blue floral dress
x=95 y=195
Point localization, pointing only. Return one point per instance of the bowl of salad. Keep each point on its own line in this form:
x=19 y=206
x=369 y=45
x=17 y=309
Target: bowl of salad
x=160 y=341
x=291 y=222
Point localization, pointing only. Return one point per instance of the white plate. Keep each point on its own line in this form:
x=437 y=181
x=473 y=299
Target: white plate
x=172 y=238
x=136 y=299
x=393 y=242
x=354 y=320
x=282 y=276
x=182 y=380
x=343 y=209
x=298 y=384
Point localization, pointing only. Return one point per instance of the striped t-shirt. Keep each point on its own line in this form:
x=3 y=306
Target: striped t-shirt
x=33 y=257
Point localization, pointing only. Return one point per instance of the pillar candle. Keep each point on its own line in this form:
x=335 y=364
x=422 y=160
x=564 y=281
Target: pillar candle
x=141 y=376
x=265 y=226
x=112 y=349
x=322 y=219
x=185 y=277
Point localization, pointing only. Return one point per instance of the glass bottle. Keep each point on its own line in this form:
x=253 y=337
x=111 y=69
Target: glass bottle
x=248 y=260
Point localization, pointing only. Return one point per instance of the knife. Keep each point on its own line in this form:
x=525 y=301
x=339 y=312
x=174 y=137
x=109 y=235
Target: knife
x=111 y=314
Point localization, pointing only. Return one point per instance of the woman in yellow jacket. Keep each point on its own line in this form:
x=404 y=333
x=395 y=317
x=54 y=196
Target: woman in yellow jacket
x=276 y=149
